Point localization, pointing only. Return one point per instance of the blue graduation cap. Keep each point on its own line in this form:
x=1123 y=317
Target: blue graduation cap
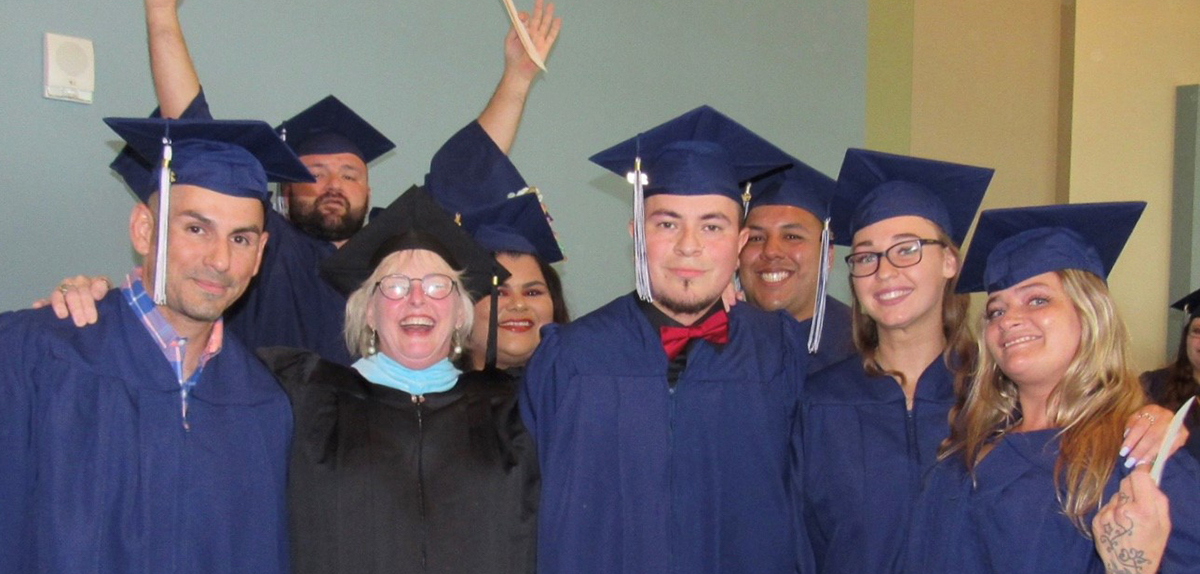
x=799 y=186
x=231 y=157
x=517 y=225
x=874 y=186
x=1012 y=245
x=1189 y=304
x=804 y=187
x=702 y=152
x=329 y=127
x=137 y=171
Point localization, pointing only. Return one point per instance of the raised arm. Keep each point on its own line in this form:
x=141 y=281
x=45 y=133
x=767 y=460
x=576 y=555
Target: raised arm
x=503 y=112
x=175 y=81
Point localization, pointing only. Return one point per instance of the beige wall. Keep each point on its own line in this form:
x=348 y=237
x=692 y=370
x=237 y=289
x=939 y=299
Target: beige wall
x=985 y=91
x=1069 y=101
x=1129 y=57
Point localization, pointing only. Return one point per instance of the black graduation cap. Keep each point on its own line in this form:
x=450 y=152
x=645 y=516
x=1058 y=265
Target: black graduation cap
x=1012 y=245
x=329 y=127
x=1190 y=304
x=413 y=221
x=874 y=186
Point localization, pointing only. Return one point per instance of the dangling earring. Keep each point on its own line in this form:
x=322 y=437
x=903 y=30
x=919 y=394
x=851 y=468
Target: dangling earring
x=457 y=346
x=371 y=346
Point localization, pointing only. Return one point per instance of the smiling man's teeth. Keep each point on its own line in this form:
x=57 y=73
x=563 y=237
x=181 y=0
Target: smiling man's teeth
x=1024 y=339
x=417 y=322
x=775 y=276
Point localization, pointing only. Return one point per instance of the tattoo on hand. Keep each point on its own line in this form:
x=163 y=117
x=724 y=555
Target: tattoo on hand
x=1120 y=559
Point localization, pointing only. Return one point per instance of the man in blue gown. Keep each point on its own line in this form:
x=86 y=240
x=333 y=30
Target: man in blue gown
x=781 y=266
x=664 y=424
x=152 y=441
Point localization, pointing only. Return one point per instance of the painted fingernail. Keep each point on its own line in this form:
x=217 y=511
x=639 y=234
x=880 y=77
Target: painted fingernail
x=1124 y=451
x=1130 y=462
x=1125 y=435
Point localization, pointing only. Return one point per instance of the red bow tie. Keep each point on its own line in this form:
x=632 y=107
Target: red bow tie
x=714 y=329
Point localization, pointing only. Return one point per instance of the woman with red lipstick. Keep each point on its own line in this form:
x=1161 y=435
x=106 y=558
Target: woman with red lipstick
x=530 y=299
x=401 y=462
x=1035 y=440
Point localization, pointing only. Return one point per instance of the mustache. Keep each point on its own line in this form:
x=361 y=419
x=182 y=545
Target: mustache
x=332 y=196
x=214 y=277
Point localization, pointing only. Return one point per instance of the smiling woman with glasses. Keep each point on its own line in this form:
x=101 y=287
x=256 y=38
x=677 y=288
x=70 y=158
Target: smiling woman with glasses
x=872 y=423
x=402 y=462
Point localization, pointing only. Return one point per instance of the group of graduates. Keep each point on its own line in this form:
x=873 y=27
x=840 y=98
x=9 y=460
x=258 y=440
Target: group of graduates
x=333 y=392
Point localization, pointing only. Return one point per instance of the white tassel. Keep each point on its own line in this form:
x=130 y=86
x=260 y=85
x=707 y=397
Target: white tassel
x=164 y=211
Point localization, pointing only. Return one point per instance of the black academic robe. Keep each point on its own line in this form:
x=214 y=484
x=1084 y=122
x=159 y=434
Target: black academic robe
x=1007 y=517
x=99 y=474
x=865 y=453
x=642 y=476
x=384 y=481
x=837 y=342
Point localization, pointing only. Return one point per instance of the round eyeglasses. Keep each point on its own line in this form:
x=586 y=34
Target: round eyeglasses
x=903 y=254
x=434 y=286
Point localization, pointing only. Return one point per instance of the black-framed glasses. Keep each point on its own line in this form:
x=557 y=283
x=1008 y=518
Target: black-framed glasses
x=397 y=286
x=903 y=254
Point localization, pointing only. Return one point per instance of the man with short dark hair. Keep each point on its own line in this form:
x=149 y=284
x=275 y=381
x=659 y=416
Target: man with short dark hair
x=781 y=264
x=663 y=423
x=150 y=441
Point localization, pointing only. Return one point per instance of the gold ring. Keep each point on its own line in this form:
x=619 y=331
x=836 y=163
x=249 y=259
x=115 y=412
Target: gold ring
x=64 y=288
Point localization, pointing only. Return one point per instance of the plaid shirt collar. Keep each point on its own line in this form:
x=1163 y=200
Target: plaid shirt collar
x=172 y=345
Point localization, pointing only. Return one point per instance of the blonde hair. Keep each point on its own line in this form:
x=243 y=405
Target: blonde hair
x=359 y=335
x=959 y=342
x=1097 y=393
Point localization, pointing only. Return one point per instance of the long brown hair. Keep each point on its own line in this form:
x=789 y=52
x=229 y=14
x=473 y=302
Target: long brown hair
x=1180 y=384
x=1090 y=404
x=960 y=345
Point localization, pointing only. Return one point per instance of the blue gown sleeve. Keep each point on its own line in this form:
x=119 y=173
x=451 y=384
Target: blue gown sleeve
x=796 y=359
x=17 y=472
x=1181 y=484
x=538 y=396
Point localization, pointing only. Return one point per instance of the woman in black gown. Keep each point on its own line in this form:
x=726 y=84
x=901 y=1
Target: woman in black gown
x=401 y=463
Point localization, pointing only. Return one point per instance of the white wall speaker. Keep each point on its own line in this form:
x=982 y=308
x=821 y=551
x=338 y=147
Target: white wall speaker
x=70 y=69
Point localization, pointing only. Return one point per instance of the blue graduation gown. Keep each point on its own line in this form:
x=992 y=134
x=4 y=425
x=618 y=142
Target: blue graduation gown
x=837 y=343
x=1011 y=521
x=864 y=456
x=99 y=474
x=288 y=304
x=637 y=477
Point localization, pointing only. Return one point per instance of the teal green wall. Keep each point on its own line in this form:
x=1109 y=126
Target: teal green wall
x=794 y=71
